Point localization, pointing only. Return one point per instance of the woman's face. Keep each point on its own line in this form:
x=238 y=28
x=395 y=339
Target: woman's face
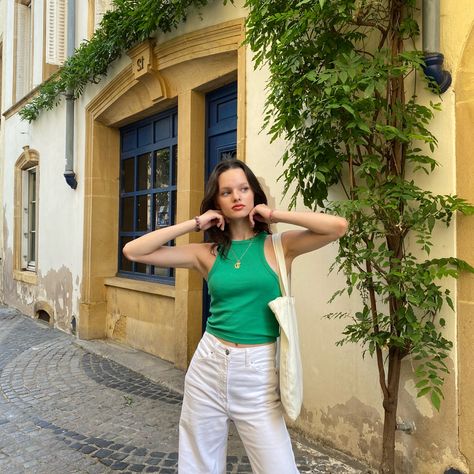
x=235 y=197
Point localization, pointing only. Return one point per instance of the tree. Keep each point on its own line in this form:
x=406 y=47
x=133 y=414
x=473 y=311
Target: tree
x=343 y=92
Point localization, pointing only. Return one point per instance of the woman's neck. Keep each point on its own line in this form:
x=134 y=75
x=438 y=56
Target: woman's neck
x=241 y=230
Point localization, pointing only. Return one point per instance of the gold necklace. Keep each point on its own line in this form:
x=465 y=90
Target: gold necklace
x=239 y=259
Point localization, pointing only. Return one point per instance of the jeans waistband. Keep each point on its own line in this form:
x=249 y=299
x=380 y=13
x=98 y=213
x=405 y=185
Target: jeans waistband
x=211 y=342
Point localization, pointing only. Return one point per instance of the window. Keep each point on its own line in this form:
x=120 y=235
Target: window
x=55 y=32
x=101 y=6
x=96 y=11
x=1 y=77
x=29 y=219
x=148 y=168
x=26 y=213
x=23 y=48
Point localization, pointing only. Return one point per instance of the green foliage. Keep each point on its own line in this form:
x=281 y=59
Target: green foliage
x=129 y=23
x=337 y=93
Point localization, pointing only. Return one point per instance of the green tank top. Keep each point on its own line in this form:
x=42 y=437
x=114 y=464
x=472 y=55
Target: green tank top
x=239 y=309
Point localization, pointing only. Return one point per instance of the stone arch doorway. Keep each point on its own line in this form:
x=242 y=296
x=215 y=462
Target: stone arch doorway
x=177 y=73
x=464 y=88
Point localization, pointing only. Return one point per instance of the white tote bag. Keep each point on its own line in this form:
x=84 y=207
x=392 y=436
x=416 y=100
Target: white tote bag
x=291 y=371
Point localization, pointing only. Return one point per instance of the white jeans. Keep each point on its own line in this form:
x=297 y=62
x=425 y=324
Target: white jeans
x=240 y=384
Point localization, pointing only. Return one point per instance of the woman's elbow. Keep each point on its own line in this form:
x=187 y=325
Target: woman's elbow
x=127 y=253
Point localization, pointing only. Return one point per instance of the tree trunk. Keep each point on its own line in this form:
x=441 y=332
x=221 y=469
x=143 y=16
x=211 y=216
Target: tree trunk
x=390 y=405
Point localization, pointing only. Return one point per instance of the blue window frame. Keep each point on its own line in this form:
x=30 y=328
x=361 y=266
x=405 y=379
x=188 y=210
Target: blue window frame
x=148 y=170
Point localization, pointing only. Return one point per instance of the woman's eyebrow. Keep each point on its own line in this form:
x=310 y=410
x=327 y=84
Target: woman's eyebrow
x=238 y=185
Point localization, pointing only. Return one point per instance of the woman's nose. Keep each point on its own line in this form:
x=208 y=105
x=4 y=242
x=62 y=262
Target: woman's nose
x=236 y=195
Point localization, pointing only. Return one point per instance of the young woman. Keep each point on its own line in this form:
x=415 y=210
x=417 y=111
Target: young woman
x=232 y=375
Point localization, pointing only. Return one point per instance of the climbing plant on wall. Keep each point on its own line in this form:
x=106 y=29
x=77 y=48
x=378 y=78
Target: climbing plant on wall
x=128 y=23
x=344 y=79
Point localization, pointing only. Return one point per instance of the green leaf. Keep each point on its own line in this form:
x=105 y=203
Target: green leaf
x=435 y=399
x=422 y=383
x=423 y=391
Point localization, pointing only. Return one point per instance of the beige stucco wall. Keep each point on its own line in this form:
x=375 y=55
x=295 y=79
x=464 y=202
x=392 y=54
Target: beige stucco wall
x=2 y=153
x=464 y=87
x=146 y=322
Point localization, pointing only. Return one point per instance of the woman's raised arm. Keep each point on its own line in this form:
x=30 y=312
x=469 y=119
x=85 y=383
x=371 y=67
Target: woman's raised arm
x=151 y=248
x=320 y=229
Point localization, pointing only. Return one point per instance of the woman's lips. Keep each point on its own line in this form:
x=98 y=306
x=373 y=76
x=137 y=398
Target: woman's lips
x=238 y=207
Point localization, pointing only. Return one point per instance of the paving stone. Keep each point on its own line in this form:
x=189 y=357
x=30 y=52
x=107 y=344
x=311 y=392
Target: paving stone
x=103 y=453
x=119 y=466
x=65 y=409
x=137 y=467
x=118 y=456
x=88 y=449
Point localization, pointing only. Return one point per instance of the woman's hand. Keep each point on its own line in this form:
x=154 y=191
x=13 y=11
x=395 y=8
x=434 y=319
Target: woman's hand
x=261 y=213
x=211 y=218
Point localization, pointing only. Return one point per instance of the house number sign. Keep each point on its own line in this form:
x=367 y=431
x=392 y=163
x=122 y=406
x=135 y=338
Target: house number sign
x=140 y=63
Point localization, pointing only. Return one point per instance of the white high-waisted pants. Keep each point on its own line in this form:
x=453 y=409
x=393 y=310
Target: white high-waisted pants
x=230 y=383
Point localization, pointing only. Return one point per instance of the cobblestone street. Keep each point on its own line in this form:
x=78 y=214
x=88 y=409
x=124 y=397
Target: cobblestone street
x=66 y=409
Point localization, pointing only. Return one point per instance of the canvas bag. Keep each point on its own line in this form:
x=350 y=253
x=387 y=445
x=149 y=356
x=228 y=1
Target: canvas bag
x=291 y=371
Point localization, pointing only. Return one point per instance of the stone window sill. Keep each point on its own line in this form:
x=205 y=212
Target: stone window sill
x=25 y=276
x=141 y=286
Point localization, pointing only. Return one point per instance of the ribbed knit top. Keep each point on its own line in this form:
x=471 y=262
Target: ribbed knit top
x=239 y=309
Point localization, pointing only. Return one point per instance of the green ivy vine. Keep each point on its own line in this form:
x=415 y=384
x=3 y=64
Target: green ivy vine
x=129 y=23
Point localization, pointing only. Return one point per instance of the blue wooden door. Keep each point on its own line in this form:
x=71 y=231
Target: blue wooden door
x=221 y=125
x=221 y=144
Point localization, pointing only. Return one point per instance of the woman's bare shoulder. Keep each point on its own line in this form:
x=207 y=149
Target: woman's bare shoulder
x=206 y=256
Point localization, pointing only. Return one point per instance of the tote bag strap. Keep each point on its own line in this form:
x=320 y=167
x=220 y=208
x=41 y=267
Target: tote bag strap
x=280 y=257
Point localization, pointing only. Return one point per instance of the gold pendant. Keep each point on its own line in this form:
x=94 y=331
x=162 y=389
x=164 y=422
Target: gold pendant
x=237 y=264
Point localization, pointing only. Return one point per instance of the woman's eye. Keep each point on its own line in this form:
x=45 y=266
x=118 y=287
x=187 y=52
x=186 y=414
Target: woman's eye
x=245 y=189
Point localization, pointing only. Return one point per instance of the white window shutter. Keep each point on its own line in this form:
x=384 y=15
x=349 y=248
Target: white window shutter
x=55 y=31
x=101 y=6
x=22 y=50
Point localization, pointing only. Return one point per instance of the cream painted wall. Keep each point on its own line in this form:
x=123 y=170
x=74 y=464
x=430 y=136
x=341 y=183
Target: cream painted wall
x=60 y=208
x=214 y=13
x=2 y=154
x=457 y=20
x=59 y=221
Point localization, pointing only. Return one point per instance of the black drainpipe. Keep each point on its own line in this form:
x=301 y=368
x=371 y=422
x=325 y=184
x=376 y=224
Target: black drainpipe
x=433 y=67
x=69 y=174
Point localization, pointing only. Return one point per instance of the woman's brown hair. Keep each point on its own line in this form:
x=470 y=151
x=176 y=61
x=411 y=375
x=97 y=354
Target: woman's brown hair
x=222 y=238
